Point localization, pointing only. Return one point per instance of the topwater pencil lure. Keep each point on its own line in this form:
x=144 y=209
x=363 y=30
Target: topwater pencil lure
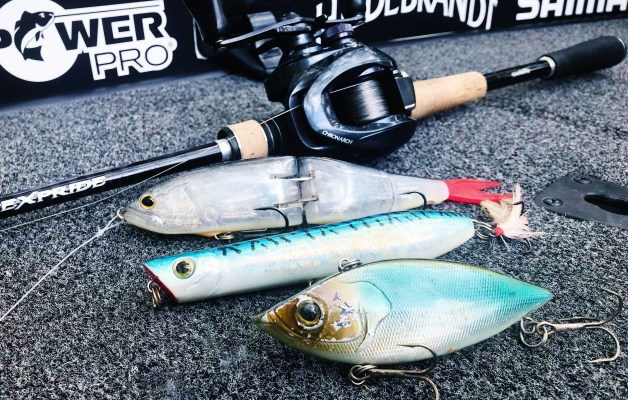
x=258 y=195
x=399 y=311
x=308 y=254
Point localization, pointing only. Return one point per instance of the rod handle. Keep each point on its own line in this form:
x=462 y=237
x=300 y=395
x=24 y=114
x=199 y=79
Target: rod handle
x=250 y=139
x=434 y=95
x=589 y=56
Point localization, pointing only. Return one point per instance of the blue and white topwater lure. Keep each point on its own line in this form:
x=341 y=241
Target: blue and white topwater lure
x=306 y=255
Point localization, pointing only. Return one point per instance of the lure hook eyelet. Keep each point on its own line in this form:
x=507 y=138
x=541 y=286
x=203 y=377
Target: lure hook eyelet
x=120 y=213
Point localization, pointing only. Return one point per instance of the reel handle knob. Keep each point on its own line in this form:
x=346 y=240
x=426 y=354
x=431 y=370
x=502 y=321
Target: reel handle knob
x=353 y=8
x=589 y=56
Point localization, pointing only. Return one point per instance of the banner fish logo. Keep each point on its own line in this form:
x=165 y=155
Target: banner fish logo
x=29 y=31
x=116 y=39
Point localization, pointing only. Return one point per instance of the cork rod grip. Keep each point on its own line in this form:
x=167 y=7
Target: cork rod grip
x=251 y=139
x=441 y=94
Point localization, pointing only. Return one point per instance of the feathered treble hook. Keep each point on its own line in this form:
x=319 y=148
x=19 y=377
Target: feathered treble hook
x=546 y=329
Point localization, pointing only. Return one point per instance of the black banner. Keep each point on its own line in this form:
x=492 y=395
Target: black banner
x=54 y=48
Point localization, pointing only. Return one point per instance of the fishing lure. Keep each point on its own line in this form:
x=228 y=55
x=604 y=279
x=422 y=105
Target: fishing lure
x=305 y=255
x=278 y=192
x=400 y=311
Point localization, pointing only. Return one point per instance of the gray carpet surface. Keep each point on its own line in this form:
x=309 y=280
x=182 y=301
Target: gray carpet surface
x=89 y=331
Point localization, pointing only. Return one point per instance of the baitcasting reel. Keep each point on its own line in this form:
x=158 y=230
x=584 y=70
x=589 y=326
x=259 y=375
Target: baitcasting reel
x=342 y=98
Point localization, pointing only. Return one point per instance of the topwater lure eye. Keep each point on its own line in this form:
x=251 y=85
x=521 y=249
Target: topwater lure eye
x=309 y=314
x=183 y=269
x=148 y=201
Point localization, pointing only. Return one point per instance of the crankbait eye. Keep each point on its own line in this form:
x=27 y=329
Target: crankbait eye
x=183 y=269
x=148 y=201
x=309 y=314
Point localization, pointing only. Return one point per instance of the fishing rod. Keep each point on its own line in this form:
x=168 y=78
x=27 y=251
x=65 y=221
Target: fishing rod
x=342 y=99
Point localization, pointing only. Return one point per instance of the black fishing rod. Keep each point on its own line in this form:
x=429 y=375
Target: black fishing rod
x=343 y=99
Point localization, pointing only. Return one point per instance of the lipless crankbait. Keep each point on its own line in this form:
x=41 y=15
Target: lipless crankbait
x=306 y=255
x=288 y=191
x=400 y=311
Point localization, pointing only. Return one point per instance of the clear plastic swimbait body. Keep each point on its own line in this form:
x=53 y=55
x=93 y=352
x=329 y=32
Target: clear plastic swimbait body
x=309 y=254
x=236 y=196
x=381 y=313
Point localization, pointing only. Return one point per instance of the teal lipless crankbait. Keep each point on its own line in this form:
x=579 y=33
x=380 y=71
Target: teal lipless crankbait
x=400 y=311
x=306 y=255
x=288 y=191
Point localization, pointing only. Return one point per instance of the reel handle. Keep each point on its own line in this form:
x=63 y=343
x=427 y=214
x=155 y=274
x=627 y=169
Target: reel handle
x=593 y=55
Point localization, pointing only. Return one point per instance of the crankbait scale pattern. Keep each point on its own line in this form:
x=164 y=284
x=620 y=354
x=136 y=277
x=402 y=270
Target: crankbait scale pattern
x=308 y=254
x=384 y=312
x=287 y=191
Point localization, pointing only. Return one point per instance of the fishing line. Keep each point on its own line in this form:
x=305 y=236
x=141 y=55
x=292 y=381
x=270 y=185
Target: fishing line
x=279 y=115
x=92 y=203
x=98 y=234
x=361 y=103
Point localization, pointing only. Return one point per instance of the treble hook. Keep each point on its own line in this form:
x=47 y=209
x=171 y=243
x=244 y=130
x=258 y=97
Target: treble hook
x=486 y=231
x=546 y=329
x=483 y=230
x=359 y=374
x=253 y=234
x=155 y=292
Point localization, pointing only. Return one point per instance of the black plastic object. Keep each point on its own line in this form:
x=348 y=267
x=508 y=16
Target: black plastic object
x=593 y=55
x=587 y=197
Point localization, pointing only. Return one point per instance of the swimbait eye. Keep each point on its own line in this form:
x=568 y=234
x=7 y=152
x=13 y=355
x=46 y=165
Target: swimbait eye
x=309 y=314
x=183 y=269
x=148 y=201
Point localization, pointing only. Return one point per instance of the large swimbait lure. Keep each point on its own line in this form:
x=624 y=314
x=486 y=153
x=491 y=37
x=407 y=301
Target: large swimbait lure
x=288 y=191
x=394 y=311
x=306 y=255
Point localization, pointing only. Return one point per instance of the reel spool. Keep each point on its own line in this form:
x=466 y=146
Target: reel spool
x=360 y=103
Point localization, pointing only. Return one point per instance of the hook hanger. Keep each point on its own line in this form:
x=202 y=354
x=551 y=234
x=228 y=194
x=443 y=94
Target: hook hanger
x=359 y=374
x=346 y=264
x=545 y=329
x=253 y=234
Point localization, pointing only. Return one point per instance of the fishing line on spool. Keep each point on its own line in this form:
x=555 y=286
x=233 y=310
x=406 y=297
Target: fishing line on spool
x=360 y=103
x=357 y=104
